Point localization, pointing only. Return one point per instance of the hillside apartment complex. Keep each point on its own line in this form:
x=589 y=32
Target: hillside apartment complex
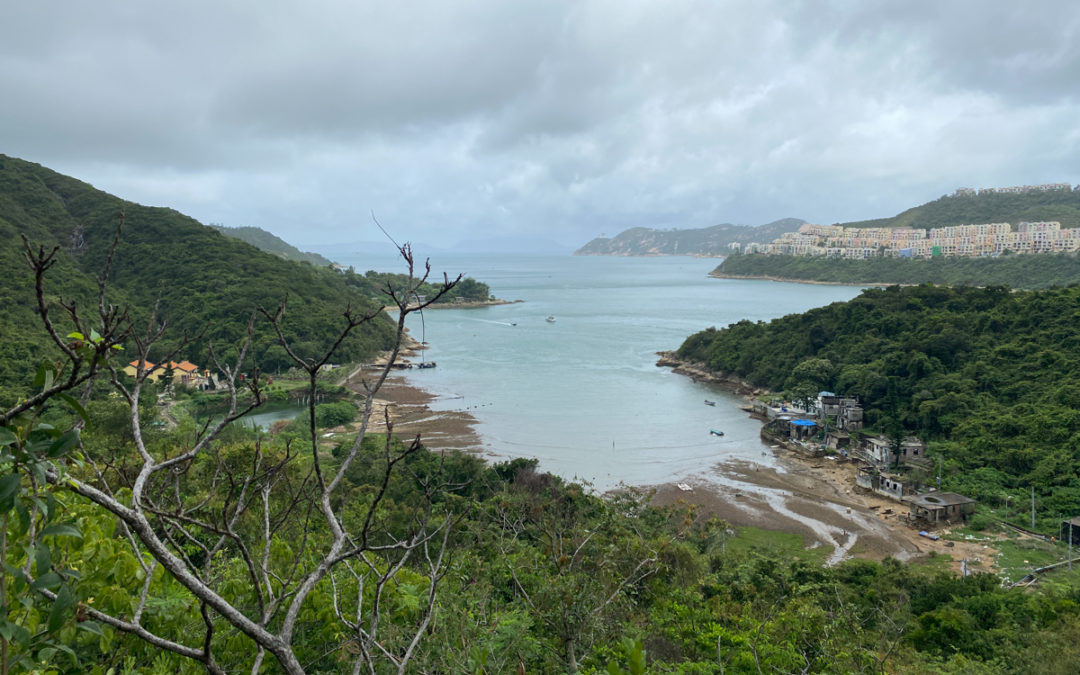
x=986 y=239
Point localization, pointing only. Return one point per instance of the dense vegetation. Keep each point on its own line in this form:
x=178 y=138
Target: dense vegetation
x=1017 y=271
x=990 y=375
x=267 y=241
x=379 y=285
x=543 y=576
x=1060 y=205
x=199 y=279
x=537 y=574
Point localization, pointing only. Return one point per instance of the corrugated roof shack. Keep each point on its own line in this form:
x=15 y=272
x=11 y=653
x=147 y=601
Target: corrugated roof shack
x=940 y=507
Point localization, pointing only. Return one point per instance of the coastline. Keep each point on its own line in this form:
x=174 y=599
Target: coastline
x=473 y=304
x=815 y=498
x=699 y=372
x=408 y=407
x=786 y=280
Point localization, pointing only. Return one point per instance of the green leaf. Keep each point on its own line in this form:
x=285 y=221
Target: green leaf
x=9 y=488
x=64 y=444
x=24 y=517
x=60 y=608
x=61 y=530
x=49 y=580
x=91 y=627
x=76 y=406
x=7 y=436
x=75 y=335
x=44 y=376
x=43 y=558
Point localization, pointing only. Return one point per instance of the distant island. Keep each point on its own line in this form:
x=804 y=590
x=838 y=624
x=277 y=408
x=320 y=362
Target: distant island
x=708 y=242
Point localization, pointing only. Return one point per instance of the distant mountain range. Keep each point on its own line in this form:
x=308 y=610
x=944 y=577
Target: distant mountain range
x=1061 y=205
x=706 y=242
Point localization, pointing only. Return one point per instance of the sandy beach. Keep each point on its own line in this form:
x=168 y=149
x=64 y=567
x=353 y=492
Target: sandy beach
x=409 y=408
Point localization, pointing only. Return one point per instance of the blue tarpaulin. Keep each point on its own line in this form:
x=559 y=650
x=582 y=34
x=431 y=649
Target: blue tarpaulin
x=804 y=423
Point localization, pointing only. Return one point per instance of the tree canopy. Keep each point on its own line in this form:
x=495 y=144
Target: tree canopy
x=991 y=375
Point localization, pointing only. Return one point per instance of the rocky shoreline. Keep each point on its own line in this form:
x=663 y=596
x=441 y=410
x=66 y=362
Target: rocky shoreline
x=699 y=372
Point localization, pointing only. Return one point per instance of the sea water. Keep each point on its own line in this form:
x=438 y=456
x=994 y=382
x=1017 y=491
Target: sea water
x=583 y=394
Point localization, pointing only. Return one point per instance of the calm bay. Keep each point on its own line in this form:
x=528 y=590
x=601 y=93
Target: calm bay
x=582 y=394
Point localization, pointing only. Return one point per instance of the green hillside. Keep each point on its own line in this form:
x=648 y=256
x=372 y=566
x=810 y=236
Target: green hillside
x=989 y=375
x=1017 y=271
x=1060 y=205
x=200 y=278
x=267 y=241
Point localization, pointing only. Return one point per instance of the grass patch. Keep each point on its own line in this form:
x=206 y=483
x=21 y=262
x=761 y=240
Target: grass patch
x=1017 y=556
x=791 y=546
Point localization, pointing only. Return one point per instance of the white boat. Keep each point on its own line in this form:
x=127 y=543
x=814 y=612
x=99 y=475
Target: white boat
x=550 y=319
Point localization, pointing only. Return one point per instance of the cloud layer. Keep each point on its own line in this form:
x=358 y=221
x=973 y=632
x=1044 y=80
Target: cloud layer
x=542 y=120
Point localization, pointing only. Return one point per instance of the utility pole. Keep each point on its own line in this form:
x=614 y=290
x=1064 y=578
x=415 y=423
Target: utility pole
x=1032 y=508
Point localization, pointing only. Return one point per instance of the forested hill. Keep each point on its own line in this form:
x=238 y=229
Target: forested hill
x=200 y=277
x=990 y=376
x=267 y=241
x=1016 y=271
x=994 y=207
x=709 y=241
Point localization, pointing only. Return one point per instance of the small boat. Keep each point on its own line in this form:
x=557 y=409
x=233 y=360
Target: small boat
x=550 y=319
x=715 y=432
x=708 y=402
x=426 y=364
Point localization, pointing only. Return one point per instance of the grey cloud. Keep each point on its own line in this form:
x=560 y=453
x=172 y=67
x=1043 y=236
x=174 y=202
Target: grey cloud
x=561 y=118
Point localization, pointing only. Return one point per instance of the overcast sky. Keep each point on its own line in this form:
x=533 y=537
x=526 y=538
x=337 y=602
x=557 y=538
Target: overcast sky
x=458 y=120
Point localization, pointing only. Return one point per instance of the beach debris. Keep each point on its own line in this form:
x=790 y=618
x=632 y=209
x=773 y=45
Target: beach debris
x=684 y=487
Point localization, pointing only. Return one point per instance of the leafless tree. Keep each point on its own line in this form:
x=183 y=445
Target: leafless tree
x=257 y=501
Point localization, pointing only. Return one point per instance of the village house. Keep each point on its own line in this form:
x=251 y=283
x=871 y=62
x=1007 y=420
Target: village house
x=939 y=507
x=841 y=412
x=878 y=451
x=184 y=373
x=870 y=478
